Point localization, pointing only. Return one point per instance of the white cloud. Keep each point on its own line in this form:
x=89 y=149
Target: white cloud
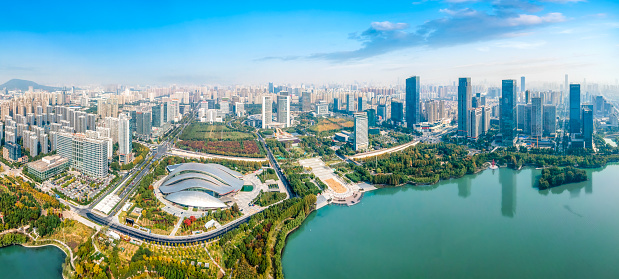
x=388 y=26
x=524 y=19
x=520 y=45
x=461 y=12
x=564 y=1
x=460 y=1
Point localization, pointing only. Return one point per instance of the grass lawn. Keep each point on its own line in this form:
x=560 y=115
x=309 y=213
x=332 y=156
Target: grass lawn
x=332 y=124
x=268 y=198
x=268 y=174
x=201 y=131
x=72 y=233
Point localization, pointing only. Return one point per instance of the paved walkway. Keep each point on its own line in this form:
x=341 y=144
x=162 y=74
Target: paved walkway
x=191 y=154
x=77 y=217
x=384 y=151
x=177 y=226
x=213 y=260
x=243 y=199
x=324 y=173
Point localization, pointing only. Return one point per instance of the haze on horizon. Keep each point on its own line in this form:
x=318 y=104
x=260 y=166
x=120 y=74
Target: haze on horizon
x=319 y=42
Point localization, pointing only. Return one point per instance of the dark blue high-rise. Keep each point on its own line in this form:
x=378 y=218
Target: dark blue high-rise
x=508 y=111
x=397 y=110
x=412 y=101
x=464 y=105
x=575 y=123
x=587 y=127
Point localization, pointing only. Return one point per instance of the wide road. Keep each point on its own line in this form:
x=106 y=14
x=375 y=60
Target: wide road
x=275 y=165
x=142 y=235
x=161 y=150
x=128 y=174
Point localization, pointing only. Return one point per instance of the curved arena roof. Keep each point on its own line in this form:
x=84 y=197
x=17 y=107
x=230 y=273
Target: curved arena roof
x=195 y=199
x=200 y=185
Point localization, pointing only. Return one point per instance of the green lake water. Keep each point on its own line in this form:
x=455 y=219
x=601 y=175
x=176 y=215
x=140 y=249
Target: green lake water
x=17 y=262
x=494 y=224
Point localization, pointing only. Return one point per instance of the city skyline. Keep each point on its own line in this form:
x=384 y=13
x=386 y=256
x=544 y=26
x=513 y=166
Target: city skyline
x=340 y=42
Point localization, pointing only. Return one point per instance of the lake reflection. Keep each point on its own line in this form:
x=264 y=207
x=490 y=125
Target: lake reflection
x=495 y=224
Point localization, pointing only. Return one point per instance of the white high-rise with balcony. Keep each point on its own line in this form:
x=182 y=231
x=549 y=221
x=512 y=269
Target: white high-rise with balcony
x=361 y=131
x=267 y=111
x=124 y=139
x=85 y=154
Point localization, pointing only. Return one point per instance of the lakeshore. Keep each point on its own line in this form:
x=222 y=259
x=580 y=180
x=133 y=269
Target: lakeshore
x=44 y=262
x=482 y=226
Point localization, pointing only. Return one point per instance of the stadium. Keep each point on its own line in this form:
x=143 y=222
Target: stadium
x=202 y=186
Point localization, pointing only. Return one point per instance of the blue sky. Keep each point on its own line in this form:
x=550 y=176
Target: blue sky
x=253 y=42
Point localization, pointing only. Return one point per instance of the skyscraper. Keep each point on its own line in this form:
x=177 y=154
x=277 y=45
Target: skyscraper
x=361 y=131
x=397 y=111
x=550 y=120
x=144 y=123
x=371 y=117
x=527 y=120
x=587 y=127
x=91 y=122
x=157 y=115
x=522 y=87
x=575 y=124
x=412 y=101
x=362 y=103
x=464 y=105
x=165 y=113
x=133 y=120
x=520 y=116
x=475 y=123
x=239 y=109
x=124 y=139
x=267 y=111
x=566 y=89
x=350 y=103
x=306 y=101
x=336 y=105
x=537 y=119
x=283 y=109
x=85 y=154
x=508 y=112
x=381 y=111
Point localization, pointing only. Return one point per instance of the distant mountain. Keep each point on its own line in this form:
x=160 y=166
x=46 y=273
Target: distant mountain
x=23 y=85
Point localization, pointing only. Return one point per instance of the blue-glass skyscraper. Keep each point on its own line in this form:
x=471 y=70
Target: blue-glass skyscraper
x=412 y=101
x=587 y=127
x=508 y=111
x=575 y=123
x=464 y=105
x=397 y=111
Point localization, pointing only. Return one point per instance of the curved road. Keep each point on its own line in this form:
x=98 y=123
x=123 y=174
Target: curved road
x=275 y=165
x=142 y=235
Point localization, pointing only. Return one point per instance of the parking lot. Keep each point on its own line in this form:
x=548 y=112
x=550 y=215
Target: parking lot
x=77 y=186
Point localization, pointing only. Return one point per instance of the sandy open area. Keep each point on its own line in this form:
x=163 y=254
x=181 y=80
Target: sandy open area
x=335 y=186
